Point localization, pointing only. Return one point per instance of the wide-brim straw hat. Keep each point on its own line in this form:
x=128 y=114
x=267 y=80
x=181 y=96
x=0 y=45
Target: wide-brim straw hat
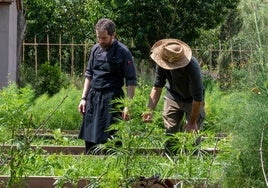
x=171 y=53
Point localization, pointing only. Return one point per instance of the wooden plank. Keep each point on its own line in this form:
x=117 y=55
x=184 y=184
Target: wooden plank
x=79 y=150
x=49 y=181
x=65 y=150
x=42 y=182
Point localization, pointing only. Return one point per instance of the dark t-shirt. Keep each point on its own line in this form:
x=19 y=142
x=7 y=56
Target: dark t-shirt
x=183 y=84
x=111 y=68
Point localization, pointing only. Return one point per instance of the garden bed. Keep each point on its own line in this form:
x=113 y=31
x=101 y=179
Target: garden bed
x=50 y=182
x=147 y=156
x=79 y=150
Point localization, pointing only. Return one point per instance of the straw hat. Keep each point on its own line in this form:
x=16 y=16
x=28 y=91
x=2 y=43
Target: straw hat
x=171 y=53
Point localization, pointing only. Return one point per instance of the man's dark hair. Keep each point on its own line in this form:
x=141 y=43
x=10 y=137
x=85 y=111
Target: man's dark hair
x=105 y=24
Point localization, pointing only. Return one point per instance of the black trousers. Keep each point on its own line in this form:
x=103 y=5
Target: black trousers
x=90 y=146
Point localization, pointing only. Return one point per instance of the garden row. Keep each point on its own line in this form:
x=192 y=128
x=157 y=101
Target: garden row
x=78 y=150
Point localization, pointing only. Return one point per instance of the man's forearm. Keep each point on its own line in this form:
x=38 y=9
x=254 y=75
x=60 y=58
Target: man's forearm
x=196 y=105
x=154 y=97
x=86 y=87
x=131 y=91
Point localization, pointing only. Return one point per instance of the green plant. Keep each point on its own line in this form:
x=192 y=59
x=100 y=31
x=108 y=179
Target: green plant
x=50 y=79
x=27 y=75
x=66 y=117
x=125 y=164
x=133 y=135
x=17 y=119
x=245 y=169
x=15 y=115
x=215 y=107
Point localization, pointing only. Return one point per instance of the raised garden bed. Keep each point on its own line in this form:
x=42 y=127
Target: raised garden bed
x=50 y=134
x=153 y=182
x=79 y=150
x=50 y=137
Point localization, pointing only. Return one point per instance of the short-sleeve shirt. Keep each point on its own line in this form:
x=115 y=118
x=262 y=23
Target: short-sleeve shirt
x=111 y=68
x=182 y=84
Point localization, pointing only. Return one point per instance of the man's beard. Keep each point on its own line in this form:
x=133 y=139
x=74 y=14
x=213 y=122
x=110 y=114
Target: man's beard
x=105 y=46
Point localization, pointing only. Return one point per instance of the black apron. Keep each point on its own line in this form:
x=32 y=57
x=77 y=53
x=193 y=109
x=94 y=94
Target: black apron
x=99 y=115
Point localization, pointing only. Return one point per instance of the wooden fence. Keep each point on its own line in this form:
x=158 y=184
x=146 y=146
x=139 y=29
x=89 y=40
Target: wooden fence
x=72 y=46
x=208 y=57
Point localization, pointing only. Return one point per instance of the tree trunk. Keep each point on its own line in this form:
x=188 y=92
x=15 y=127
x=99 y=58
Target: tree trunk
x=20 y=35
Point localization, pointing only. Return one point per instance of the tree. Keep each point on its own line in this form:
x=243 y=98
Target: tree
x=65 y=19
x=140 y=23
x=146 y=21
x=56 y=17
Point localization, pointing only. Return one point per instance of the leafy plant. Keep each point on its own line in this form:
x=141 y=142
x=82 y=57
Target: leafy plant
x=16 y=119
x=15 y=115
x=50 y=79
x=134 y=135
x=235 y=165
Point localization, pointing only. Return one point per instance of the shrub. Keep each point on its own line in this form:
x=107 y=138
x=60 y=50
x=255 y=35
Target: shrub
x=14 y=109
x=49 y=78
x=15 y=119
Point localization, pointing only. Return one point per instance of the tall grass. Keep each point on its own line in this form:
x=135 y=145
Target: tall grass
x=250 y=108
x=250 y=118
x=66 y=117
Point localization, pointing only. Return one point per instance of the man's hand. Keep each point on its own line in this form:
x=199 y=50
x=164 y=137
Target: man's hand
x=191 y=127
x=147 y=117
x=82 y=106
x=125 y=114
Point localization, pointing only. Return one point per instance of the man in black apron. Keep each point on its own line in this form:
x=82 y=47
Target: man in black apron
x=110 y=67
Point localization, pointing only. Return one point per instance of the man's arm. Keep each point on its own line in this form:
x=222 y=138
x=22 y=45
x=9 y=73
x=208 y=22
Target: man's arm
x=154 y=97
x=131 y=91
x=82 y=104
x=153 y=100
x=130 y=94
x=192 y=124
